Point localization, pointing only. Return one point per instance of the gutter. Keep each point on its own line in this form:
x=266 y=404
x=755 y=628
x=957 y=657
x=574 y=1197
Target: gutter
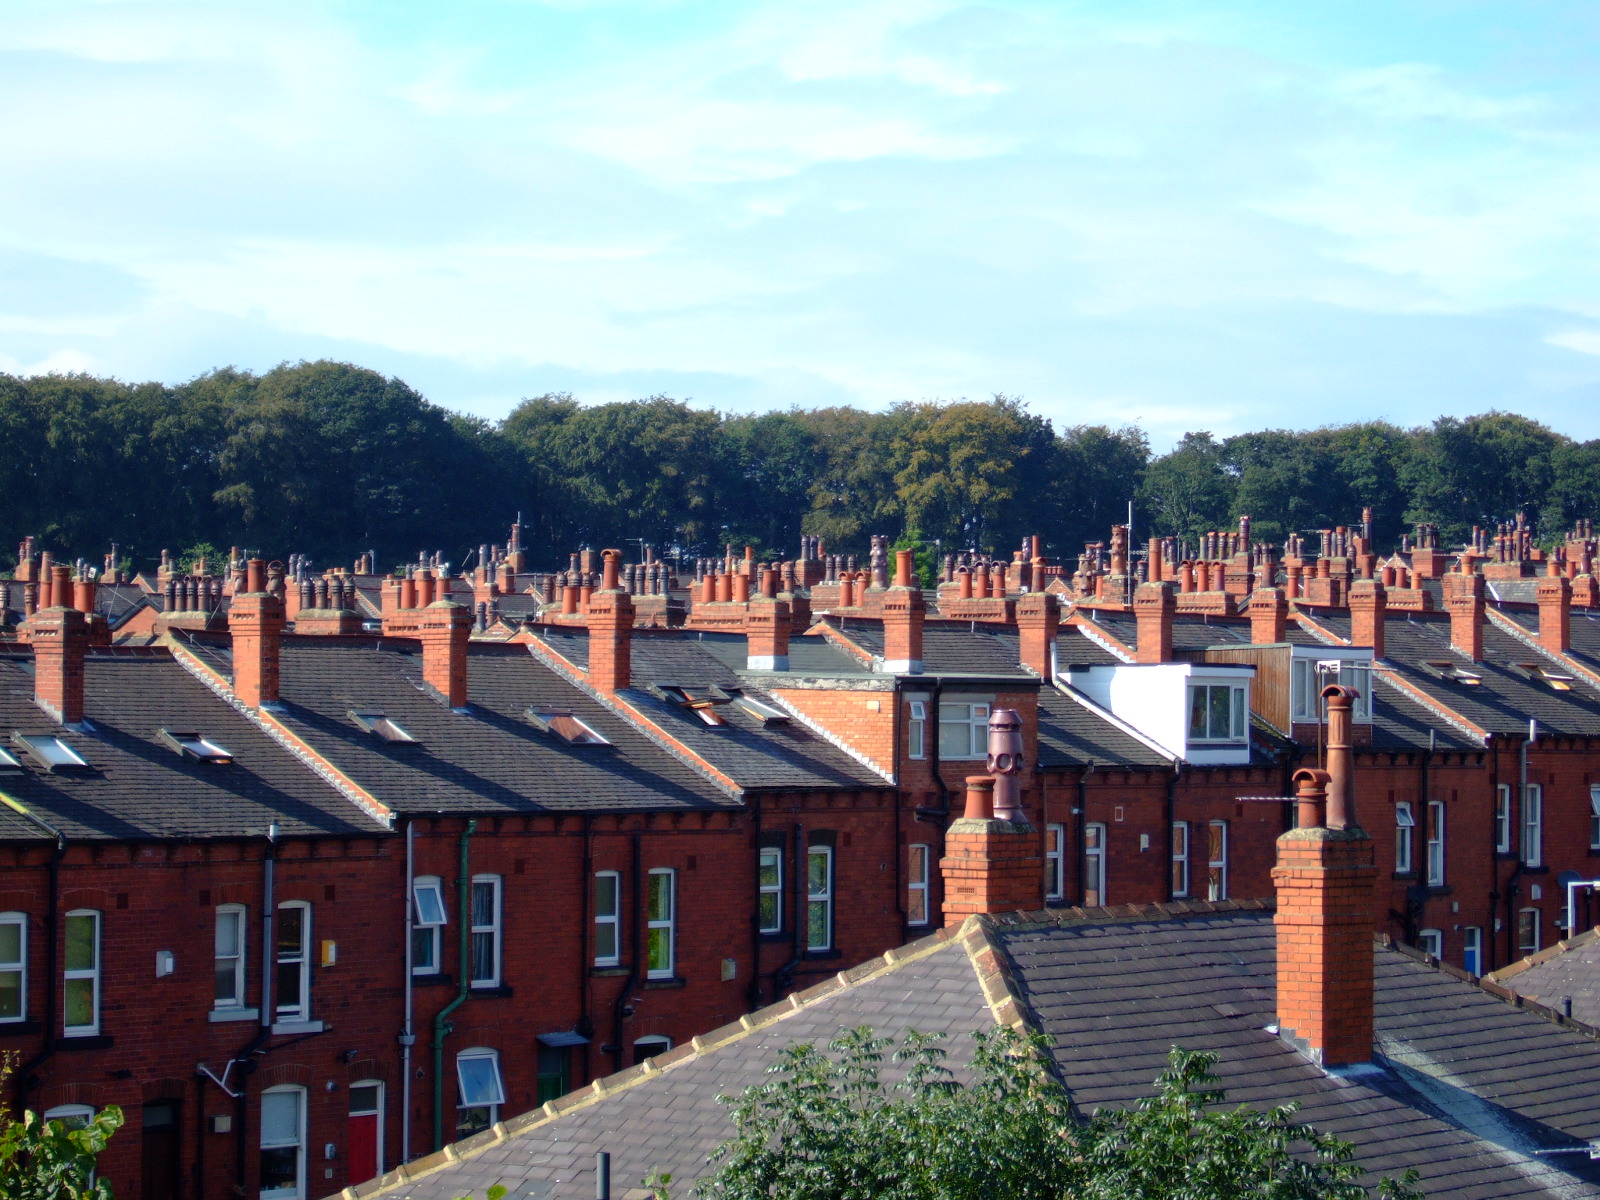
x=441 y=1028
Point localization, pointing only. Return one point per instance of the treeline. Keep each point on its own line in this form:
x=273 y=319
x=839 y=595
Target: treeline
x=329 y=459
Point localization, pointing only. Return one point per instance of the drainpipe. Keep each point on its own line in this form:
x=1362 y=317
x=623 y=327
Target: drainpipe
x=25 y=1078
x=621 y=1010
x=408 y=1036
x=440 y=1027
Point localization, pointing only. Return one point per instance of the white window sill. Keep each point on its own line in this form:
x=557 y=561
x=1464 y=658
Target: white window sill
x=220 y=1015
x=282 y=1027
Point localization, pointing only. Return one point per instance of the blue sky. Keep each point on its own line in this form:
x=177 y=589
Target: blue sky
x=1194 y=215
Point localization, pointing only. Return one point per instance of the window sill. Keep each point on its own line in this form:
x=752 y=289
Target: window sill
x=18 y=1028
x=779 y=935
x=433 y=980
x=220 y=1015
x=1440 y=889
x=615 y=972
x=86 y=1041
x=484 y=991
x=655 y=985
x=1535 y=870
x=1406 y=876
x=289 y=1027
x=817 y=955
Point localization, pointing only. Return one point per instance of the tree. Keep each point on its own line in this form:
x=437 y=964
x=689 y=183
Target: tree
x=1189 y=492
x=52 y=1160
x=829 y=1126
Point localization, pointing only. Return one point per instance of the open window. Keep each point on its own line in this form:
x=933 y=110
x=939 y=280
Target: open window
x=703 y=708
x=382 y=727
x=1556 y=681
x=767 y=714
x=559 y=722
x=428 y=919
x=196 y=747
x=51 y=753
x=1451 y=671
x=10 y=764
x=480 y=1090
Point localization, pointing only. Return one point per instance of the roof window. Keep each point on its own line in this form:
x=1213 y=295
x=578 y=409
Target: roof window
x=9 y=763
x=51 y=753
x=767 y=714
x=565 y=726
x=705 y=709
x=1540 y=673
x=382 y=728
x=1454 y=672
x=196 y=746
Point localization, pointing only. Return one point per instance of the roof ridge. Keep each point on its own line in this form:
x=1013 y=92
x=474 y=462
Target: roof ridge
x=1122 y=913
x=702 y=1044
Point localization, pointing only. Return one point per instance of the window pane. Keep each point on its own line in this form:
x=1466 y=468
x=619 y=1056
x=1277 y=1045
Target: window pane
x=955 y=740
x=817 y=925
x=280 y=1170
x=422 y=946
x=479 y=1077
x=1239 y=723
x=1221 y=698
x=483 y=903
x=430 y=905
x=917 y=909
x=605 y=940
x=80 y=1002
x=291 y=931
x=364 y=1099
x=817 y=872
x=919 y=863
x=280 y=1119
x=771 y=871
x=483 y=964
x=605 y=895
x=227 y=982
x=661 y=897
x=289 y=985
x=660 y=950
x=227 y=934
x=10 y=995
x=11 y=945
x=80 y=943
x=1197 y=712
x=769 y=911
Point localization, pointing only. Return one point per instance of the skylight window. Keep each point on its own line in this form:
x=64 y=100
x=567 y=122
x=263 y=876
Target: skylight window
x=382 y=728
x=1454 y=672
x=51 y=753
x=9 y=763
x=565 y=726
x=767 y=714
x=196 y=746
x=705 y=710
x=1540 y=673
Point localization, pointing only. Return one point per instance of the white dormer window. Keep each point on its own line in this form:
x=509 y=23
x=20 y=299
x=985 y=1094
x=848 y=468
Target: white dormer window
x=1217 y=713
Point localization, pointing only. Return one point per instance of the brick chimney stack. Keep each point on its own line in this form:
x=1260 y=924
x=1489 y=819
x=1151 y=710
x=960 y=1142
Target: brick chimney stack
x=60 y=637
x=904 y=611
x=610 y=621
x=1153 y=609
x=767 y=627
x=1554 y=594
x=989 y=865
x=444 y=628
x=1038 y=620
x=1324 y=880
x=1369 y=604
x=255 y=618
x=1463 y=596
x=1269 y=616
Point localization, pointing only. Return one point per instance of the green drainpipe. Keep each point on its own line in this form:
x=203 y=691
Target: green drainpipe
x=441 y=1027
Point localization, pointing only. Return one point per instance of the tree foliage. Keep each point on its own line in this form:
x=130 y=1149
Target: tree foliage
x=52 y=1160
x=827 y=1126
x=330 y=460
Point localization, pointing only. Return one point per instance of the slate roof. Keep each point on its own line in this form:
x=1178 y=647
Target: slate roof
x=1584 y=630
x=490 y=759
x=1464 y=1085
x=140 y=788
x=1072 y=734
x=1191 y=632
x=948 y=647
x=809 y=654
x=1568 y=970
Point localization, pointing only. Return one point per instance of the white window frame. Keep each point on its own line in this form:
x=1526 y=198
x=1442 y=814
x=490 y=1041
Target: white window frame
x=1094 y=852
x=74 y=974
x=660 y=1042
x=608 y=920
x=819 y=900
x=1405 y=837
x=976 y=724
x=239 y=916
x=1533 y=825
x=301 y=1010
x=917 y=730
x=1238 y=714
x=1594 y=816
x=1217 y=865
x=299 y=1144
x=1502 y=819
x=1523 y=948
x=1055 y=862
x=485 y=933
x=1472 y=949
x=1180 y=860
x=82 y=1113
x=917 y=892
x=770 y=856
x=1306 y=684
x=17 y=967
x=667 y=925
x=496 y=1097
x=1435 y=841
x=426 y=890
x=1431 y=941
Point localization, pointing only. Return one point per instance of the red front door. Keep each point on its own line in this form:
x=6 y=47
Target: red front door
x=363 y=1140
